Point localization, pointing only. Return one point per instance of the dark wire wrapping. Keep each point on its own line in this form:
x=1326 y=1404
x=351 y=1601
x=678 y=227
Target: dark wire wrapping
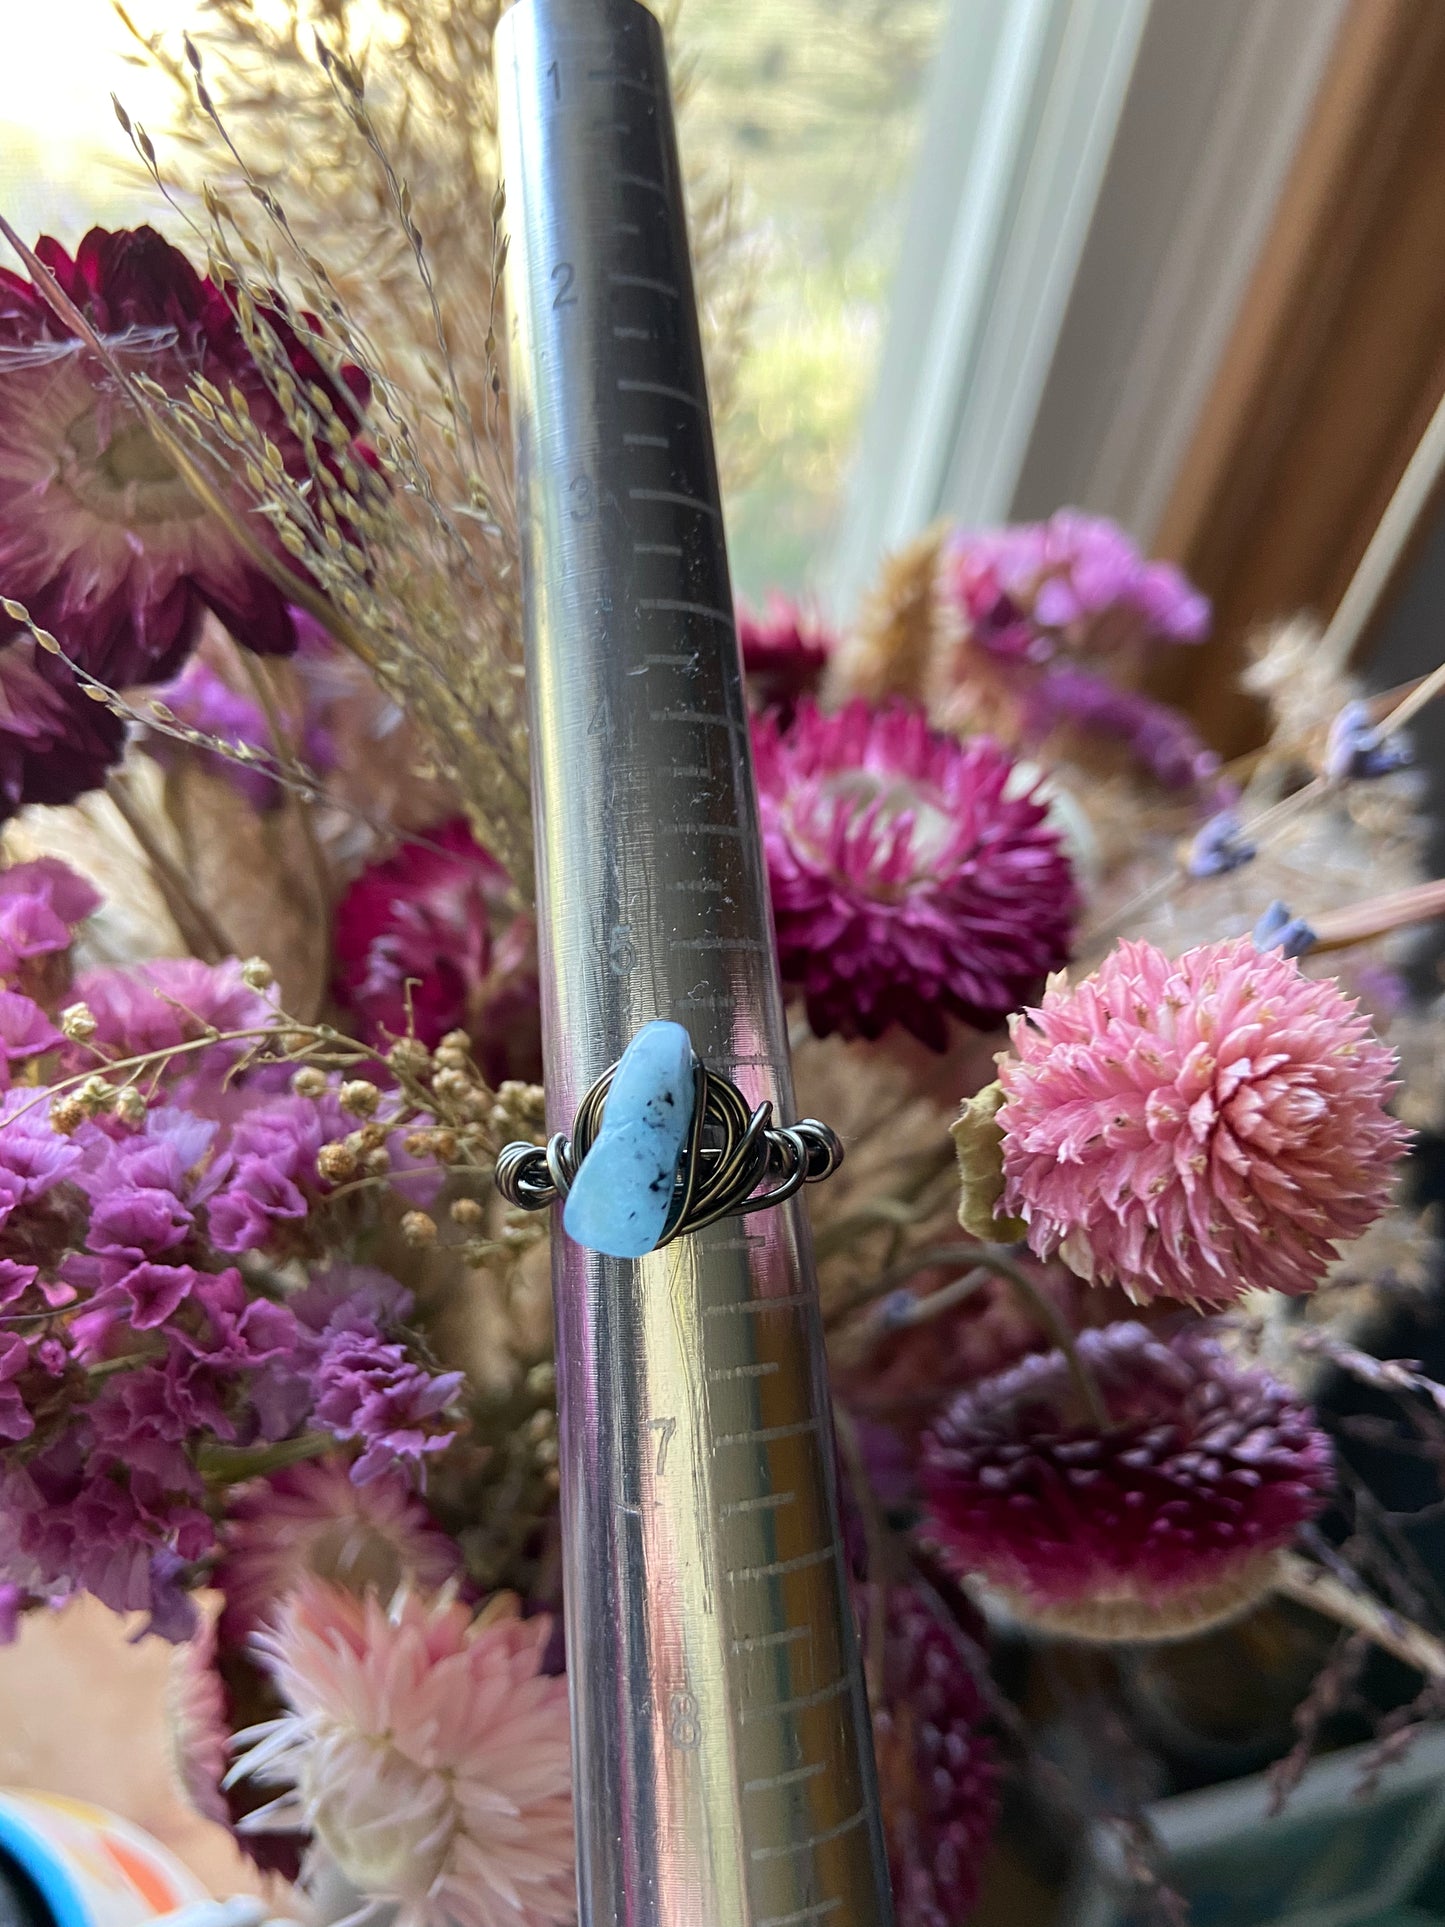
x=730 y=1152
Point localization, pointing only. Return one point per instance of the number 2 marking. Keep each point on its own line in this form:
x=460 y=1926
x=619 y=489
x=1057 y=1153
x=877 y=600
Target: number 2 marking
x=564 y=274
x=664 y=1427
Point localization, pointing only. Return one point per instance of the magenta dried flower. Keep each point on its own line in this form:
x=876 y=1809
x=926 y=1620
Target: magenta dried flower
x=785 y=654
x=936 y=1766
x=100 y=537
x=1197 y=1127
x=429 y=940
x=1162 y=1521
x=913 y=878
x=1075 y=582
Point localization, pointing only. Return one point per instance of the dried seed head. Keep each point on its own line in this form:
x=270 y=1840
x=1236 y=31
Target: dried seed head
x=309 y=1082
x=68 y=1113
x=130 y=1104
x=96 y=1095
x=77 y=1021
x=257 y=974
x=468 y=1212
x=336 y=1163
x=409 y=1057
x=360 y=1097
x=419 y=1229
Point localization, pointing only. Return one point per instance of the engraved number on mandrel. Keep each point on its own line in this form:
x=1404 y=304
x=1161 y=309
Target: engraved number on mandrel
x=684 y=1724
x=665 y=1428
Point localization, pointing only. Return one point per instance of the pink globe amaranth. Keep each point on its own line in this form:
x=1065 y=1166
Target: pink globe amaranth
x=100 y=537
x=428 y=940
x=1163 y=1521
x=937 y=1768
x=913 y=878
x=1193 y=1128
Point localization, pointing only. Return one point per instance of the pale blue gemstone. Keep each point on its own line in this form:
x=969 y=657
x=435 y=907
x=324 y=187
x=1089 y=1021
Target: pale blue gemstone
x=622 y=1193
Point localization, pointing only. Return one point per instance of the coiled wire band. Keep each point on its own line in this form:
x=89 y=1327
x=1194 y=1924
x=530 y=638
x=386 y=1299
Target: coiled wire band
x=730 y=1151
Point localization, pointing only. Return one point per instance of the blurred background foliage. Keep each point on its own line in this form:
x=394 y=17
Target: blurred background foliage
x=814 y=107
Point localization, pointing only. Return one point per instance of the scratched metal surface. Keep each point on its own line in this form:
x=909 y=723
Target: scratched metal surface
x=724 y=1764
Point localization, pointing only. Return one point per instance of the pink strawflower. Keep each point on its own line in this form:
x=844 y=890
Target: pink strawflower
x=913 y=878
x=429 y=934
x=314 y=1519
x=1193 y=1128
x=1075 y=582
x=936 y=1765
x=196 y=1723
x=426 y=1752
x=785 y=652
x=1164 y=1520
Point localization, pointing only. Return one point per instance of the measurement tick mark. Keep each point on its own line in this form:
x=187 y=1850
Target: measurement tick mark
x=819 y=1910
x=776 y=1567
x=618 y=80
x=768 y=1434
x=678 y=500
x=771 y=1781
x=760 y=1304
x=626 y=386
x=643 y=280
x=721 y=1373
x=626 y=227
x=758 y=1643
x=765 y=1502
x=813 y=1840
x=746 y=946
x=633 y=334
x=801 y=1703
x=691 y=716
x=687 y=608
x=656 y=548
x=642 y=180
x=646 y=441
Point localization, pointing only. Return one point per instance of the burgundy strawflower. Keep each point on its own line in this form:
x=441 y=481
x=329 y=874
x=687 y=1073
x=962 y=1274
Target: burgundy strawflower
x=785 y=653
x=936 y=1766
x=1193 y=1128
x=431 y=930
x=1161 y=1521
x=55 y=742
x=100 y=537
x=913 y=877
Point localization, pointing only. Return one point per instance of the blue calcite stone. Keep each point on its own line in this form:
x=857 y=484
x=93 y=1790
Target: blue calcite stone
x=622 y=1193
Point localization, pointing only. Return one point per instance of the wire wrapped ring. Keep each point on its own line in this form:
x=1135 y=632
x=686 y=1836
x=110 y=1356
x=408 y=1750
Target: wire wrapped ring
x=730 y=1151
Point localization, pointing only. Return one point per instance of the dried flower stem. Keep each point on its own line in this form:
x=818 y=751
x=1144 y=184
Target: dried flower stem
x=1309 y=1585
x=202 y=935
x=988 y=1260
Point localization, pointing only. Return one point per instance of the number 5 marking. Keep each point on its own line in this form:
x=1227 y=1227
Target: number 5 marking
x=664 y=1427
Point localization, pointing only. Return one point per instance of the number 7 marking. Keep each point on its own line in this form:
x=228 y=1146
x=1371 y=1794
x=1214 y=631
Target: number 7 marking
x=664 y=1427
